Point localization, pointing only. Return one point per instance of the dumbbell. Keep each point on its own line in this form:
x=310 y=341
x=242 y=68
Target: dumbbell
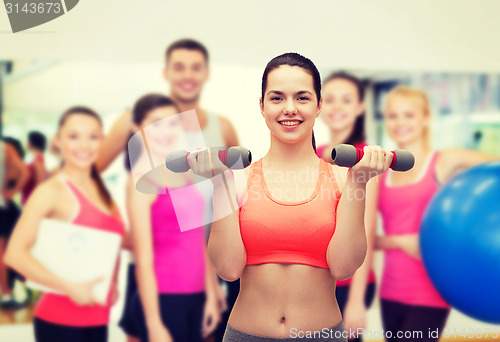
x=236 y=157
x=348 y=155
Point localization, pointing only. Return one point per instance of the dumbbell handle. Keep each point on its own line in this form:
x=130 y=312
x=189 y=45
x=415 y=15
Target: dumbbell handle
x=348 y=155
x=237 y=157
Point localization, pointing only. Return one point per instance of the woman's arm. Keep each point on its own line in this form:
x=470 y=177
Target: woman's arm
x=139 y=211
x=209 y=277
x=452 y=161
x=347 y=248
x=408 y=243
x=41 y=204
x=383 y=242
x=355 y=309
x=225 y=246
x=360 y=279
x=127 y=242
x=211 y=312
x=18 y=255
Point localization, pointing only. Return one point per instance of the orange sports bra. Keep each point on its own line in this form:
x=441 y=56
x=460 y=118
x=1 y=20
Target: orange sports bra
x=282 y=232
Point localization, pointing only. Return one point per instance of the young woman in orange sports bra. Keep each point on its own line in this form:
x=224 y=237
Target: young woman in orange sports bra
x=299 y=226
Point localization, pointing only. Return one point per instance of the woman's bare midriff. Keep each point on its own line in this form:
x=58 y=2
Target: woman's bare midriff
x=275 y=298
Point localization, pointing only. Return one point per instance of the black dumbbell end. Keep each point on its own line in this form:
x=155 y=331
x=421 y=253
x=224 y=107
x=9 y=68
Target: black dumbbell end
x=176 y=161
x=404 y=160
x=344 y=155
x=238 y=157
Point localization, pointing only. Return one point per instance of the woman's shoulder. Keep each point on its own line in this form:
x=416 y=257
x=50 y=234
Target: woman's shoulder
x=450 y=155
x=242 y=179
x=242 y=176
x=250 y=169
x=53 y=185
x=48 y=194
x=339 y=174
x=452 y=160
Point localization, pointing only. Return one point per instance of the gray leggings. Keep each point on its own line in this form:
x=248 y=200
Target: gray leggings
x=335 y=334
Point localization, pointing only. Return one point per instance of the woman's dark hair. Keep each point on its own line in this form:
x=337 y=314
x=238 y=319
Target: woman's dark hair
x=294 y=59
x=16 y=144
x=94 y=173
x=18 y=147
x=37 y=140
x=358 y=133
x=141 y=109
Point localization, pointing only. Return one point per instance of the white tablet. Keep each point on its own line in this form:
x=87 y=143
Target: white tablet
x=76 y=253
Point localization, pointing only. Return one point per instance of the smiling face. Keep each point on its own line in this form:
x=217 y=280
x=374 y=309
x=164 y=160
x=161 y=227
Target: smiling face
x=406 y=119
x=79 y=140
x=341 y=104
x=186 y=71
x=290 y=105
x=163 y=129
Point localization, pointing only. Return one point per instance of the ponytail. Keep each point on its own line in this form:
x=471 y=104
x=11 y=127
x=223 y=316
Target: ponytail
x=313 y=142
x=128 y=161
x=103 y=191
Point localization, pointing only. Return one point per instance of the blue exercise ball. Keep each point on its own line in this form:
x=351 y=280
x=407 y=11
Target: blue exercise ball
x=460 y=242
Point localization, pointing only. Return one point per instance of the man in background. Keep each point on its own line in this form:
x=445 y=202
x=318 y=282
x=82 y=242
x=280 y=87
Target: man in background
x=186 y=71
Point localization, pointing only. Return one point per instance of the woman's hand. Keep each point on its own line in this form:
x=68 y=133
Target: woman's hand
x=410 y=244
x=157 y=332
x=376 y=160
x=354 y=317
x=378 y=242
x=206 y=163
x=220 y=297
x=115 y=294
x=211 y=316
x=82 y=293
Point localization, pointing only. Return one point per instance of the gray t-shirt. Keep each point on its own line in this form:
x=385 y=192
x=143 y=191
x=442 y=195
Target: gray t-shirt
x=212 y=137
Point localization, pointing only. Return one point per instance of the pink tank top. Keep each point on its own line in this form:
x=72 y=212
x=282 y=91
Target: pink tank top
x=404 y=278
x=371 y=276
x=60 y=309
x=179 y=257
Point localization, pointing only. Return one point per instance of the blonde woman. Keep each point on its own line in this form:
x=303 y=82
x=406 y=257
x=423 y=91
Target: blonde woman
x=410 y=304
